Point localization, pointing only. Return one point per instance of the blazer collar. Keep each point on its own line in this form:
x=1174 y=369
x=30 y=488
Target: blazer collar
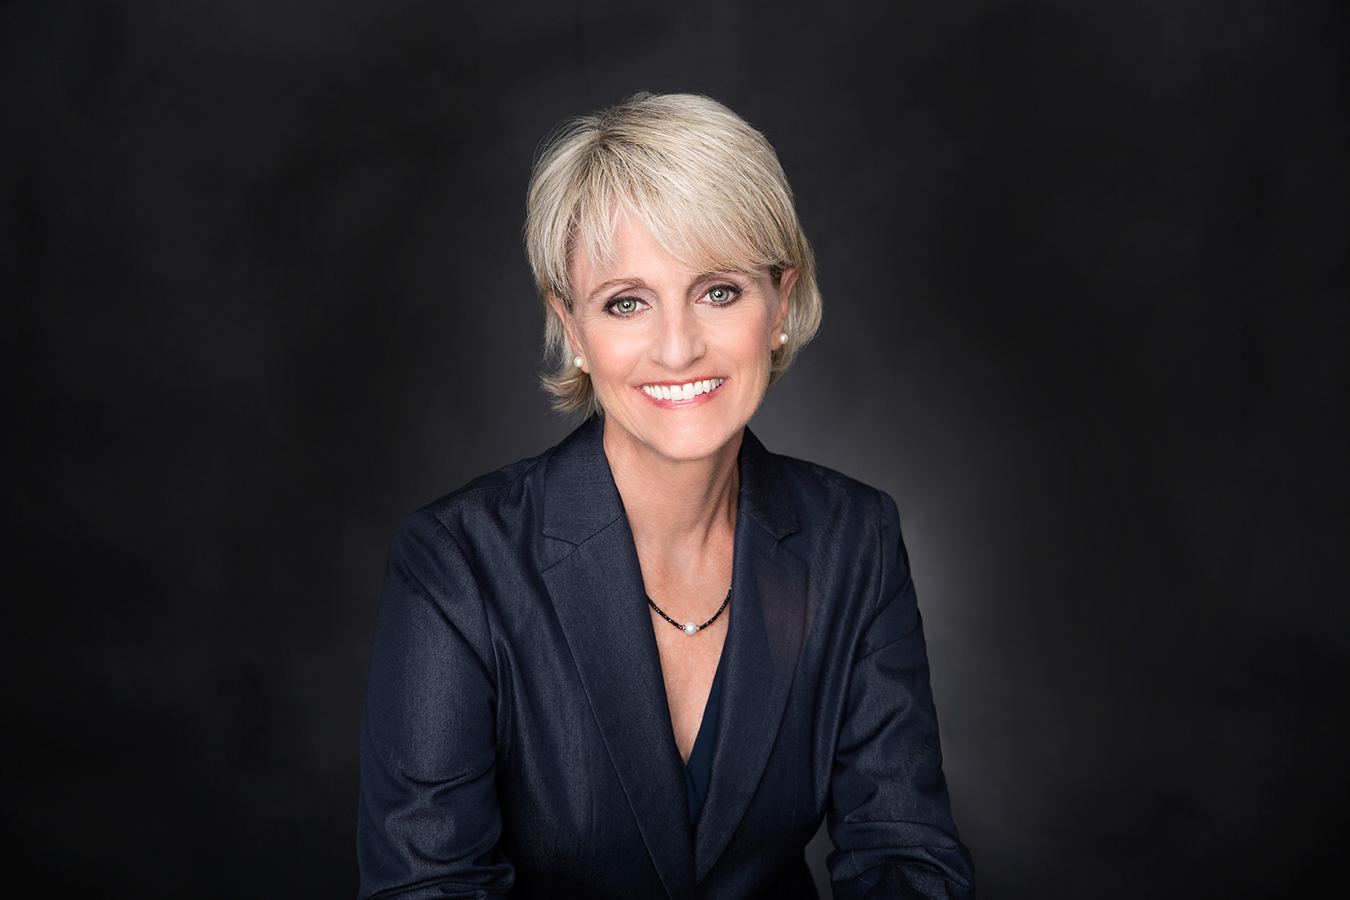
x=764 y=638
x=595 y=582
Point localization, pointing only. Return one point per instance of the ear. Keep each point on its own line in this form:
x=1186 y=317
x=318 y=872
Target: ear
x=574 y=345
x=786 y=281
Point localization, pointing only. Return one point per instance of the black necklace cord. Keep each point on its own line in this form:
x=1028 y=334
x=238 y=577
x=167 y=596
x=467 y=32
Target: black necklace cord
x=691 y=628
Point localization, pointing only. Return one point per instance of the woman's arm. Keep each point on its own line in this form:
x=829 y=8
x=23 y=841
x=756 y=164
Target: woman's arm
x=890 y=817
x=428 y=822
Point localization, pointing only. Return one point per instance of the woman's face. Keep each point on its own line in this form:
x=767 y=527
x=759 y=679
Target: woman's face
x=679 y=359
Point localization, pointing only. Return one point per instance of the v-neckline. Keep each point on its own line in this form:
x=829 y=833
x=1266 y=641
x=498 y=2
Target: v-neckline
x=698 y=769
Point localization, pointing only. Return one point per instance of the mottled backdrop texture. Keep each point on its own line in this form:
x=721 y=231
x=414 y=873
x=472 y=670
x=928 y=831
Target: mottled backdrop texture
x=1086 y=270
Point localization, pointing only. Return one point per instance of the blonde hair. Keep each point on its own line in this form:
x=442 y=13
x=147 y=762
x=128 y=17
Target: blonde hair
x=707 y=186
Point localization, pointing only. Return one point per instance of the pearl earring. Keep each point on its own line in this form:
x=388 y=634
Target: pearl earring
x=782 y=338
x=576 y=361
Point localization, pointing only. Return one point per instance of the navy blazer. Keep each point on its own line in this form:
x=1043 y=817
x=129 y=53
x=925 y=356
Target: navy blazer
x=517 y=742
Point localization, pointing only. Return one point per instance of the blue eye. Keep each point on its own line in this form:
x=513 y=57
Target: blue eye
x=722 y=294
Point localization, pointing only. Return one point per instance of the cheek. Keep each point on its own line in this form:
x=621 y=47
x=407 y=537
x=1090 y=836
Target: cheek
x=765 y=340
x=610 y=358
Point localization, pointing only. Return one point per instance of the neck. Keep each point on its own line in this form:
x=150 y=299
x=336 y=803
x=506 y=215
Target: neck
x=675 y=505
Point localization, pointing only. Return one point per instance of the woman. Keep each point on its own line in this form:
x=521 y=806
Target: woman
x=649 y=662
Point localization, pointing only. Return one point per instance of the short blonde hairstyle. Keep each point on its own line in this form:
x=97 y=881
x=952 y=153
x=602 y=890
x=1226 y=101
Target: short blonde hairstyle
x=707 y=186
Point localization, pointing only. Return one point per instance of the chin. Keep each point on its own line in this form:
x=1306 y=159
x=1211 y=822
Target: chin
x=688 y=441
x=695 y=440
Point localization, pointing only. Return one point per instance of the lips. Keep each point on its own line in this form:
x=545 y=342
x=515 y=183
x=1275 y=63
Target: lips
x=687 y=391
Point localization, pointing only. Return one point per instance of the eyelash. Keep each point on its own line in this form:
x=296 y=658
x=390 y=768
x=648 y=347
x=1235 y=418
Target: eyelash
x=611 y=307
x=731 y=289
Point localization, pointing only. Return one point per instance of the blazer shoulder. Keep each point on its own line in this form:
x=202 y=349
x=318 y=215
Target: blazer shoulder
x=818 y=489
x=490 y=489
x=501 y=504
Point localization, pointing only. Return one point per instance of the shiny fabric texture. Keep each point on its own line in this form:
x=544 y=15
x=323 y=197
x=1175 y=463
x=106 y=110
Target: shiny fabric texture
x=517 y=742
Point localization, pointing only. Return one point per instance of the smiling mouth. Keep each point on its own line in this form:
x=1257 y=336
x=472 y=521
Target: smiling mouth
x=682 y=391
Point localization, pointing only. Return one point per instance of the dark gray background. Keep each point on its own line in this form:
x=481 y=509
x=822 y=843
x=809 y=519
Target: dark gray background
x=1085 y=267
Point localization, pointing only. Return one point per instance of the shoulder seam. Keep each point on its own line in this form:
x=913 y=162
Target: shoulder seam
x=482 y=601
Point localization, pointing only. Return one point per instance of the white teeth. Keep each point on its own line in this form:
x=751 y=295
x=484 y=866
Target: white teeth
x=681 y=391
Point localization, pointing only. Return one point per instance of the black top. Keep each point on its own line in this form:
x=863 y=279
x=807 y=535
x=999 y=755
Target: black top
x=698 y=771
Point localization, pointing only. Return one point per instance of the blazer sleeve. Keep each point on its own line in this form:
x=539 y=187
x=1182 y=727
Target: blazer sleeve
x=428 y=819
x=890 y=817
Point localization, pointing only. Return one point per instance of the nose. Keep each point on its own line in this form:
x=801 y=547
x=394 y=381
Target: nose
x=681 y=341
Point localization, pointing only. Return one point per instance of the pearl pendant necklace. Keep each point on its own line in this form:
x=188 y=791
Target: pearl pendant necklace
x=691 y=628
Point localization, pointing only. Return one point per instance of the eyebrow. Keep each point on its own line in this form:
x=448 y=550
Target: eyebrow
x=725 y=273
x=612 y=283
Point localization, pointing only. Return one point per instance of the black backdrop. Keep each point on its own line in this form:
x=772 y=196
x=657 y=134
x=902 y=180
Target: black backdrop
x=1085 y=267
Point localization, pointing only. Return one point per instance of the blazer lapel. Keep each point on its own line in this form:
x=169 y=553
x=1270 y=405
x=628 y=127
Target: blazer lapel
x=764 y=638
x=595 y=582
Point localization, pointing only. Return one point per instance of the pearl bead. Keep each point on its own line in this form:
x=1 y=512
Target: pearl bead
x=690 y=628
